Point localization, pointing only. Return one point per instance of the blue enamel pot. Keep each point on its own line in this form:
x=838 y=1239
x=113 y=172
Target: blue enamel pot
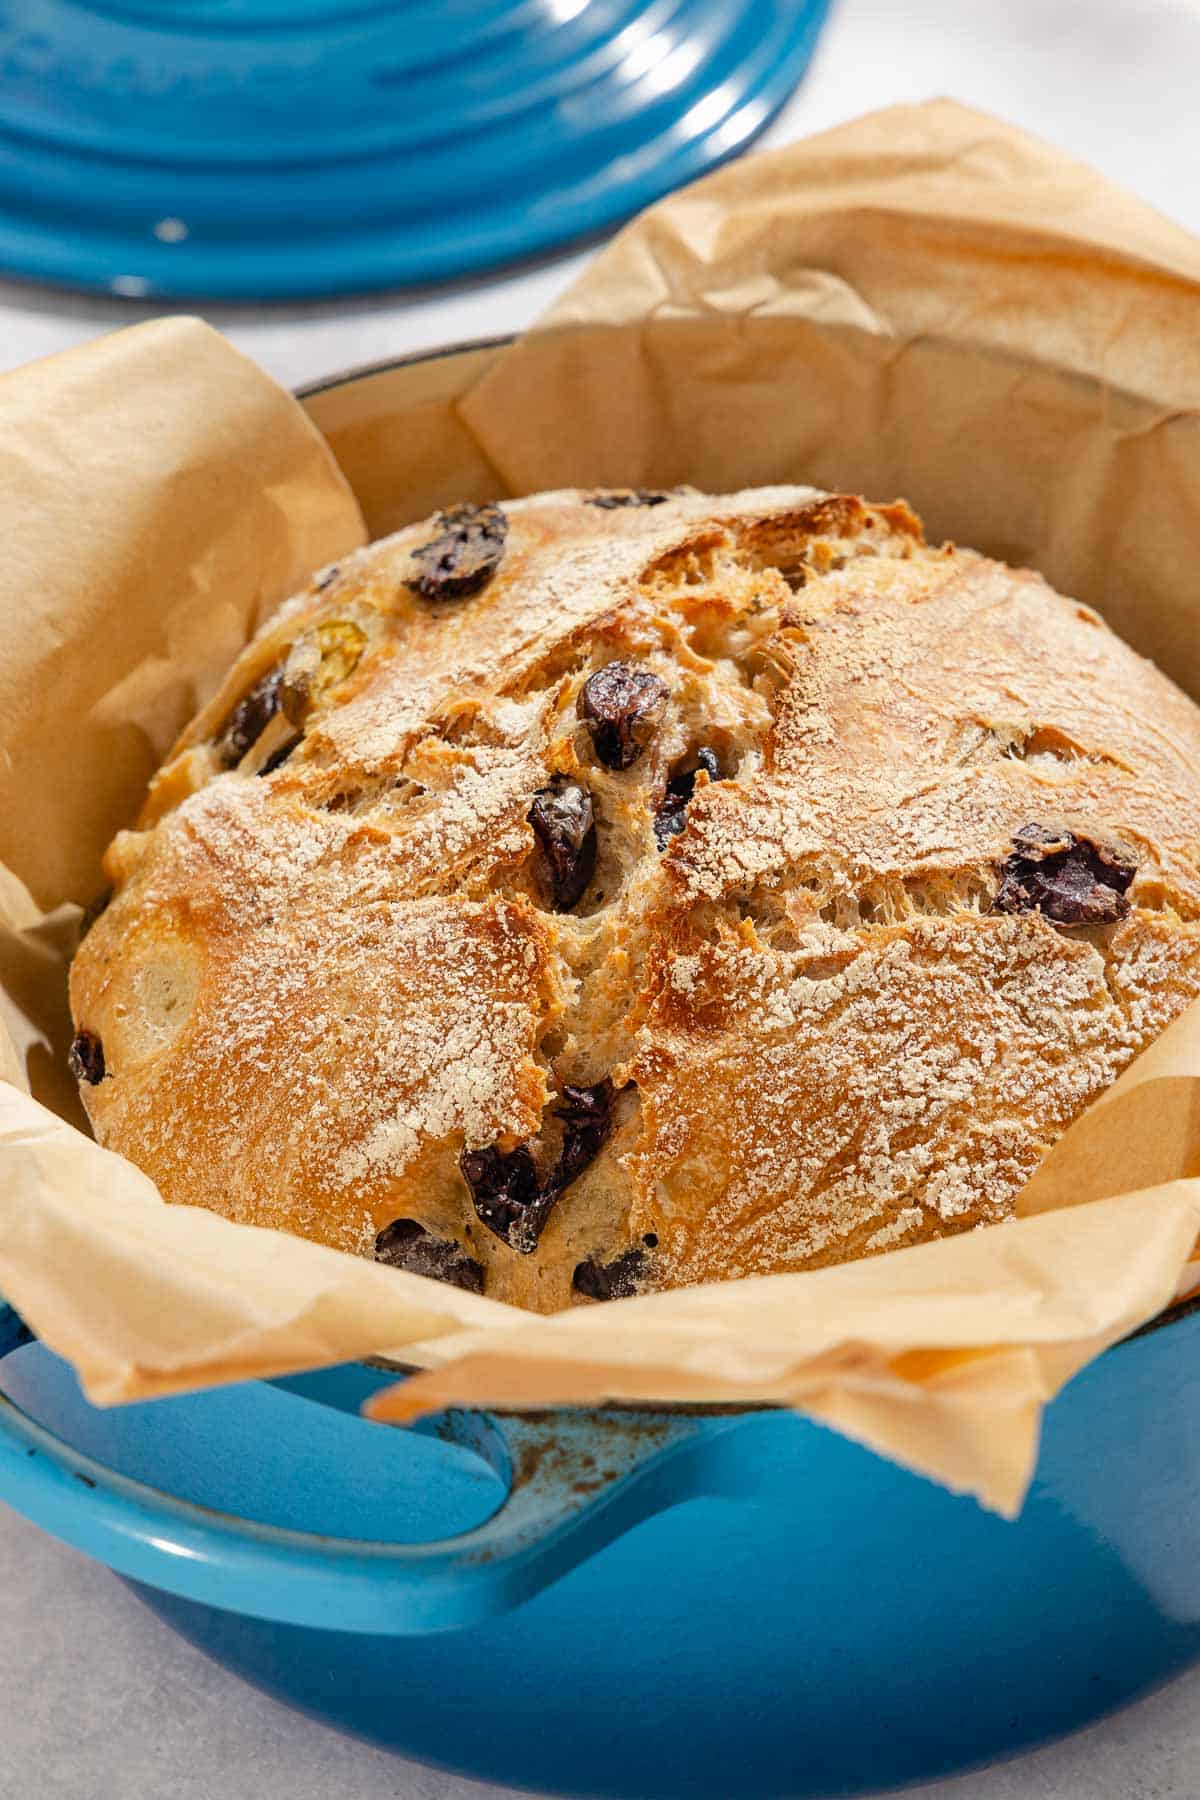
x=719 y=1603
x=641 y=1603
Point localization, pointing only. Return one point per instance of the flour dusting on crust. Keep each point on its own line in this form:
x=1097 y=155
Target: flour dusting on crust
x=782 y=936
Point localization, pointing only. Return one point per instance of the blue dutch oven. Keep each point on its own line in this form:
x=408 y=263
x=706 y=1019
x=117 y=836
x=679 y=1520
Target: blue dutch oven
x=658 y=1603
x=721 y=1602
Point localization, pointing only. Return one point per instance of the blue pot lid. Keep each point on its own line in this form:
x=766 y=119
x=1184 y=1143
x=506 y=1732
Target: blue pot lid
x=273 y=148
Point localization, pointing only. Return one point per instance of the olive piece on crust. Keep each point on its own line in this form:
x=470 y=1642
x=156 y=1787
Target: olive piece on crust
x=487 y=983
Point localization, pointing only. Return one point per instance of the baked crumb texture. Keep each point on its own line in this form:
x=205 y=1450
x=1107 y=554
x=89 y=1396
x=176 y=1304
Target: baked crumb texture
x=828 y=1027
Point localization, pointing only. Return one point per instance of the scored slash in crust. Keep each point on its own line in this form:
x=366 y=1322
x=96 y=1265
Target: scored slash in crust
x=726 y=799
x=1070 y=879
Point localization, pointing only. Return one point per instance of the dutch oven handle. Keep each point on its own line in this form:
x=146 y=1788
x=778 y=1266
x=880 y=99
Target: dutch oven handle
x=575 y=1482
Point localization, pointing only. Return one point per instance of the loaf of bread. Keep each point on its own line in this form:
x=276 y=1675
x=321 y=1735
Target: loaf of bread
x=608 y=891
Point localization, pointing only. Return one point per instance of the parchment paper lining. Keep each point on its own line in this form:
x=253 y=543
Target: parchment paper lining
x=925 y=302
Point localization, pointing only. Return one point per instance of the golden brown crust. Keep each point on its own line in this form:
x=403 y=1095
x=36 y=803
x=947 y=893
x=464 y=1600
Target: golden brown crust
x=316 y=986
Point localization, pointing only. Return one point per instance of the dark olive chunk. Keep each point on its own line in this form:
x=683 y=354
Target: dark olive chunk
x=506 y=1194
x=465 y=554
x=586 y=1113
x=250 y=718
x=404 y=1244
x=86 y=1058
x=622 y=706
x=564 y=822
x=506 y=1191
x=671 y=816
x=615 y=1280
x=1069 y=879
x=610 y=498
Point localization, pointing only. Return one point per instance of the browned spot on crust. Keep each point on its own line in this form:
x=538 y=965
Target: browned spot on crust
x=318 y=990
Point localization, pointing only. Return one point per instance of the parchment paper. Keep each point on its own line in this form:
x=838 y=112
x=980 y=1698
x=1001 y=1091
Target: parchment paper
x=159 y=493
x=925 y=302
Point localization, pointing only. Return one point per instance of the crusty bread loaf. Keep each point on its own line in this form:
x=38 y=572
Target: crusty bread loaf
x=611 y=891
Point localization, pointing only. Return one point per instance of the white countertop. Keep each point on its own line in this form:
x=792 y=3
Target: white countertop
x=101 y=1701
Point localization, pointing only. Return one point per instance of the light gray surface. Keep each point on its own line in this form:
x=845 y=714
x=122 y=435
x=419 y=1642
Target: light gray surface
x=98 y=1699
